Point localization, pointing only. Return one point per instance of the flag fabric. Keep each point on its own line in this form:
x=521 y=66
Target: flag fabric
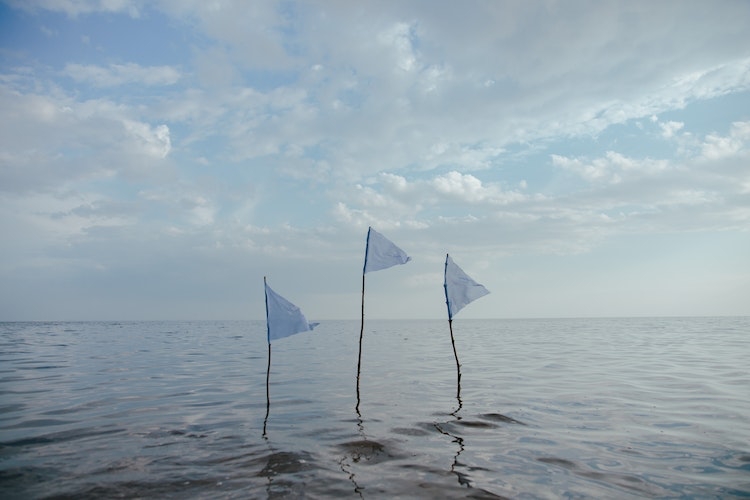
x=381 y=253
x=283 y=318
x=460 y=289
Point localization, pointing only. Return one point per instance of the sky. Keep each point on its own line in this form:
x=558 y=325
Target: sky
x=578 y=158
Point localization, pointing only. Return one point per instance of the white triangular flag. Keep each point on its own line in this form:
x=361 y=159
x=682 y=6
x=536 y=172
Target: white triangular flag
x=283 y=318
x=381 y=253
x=460 y=289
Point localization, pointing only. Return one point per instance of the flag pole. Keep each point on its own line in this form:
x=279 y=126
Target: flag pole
x=458 y=365
x=361 y=334
x=453 y=341
x=384 y=255
x=268 y=370
x=268 y=392
x=362 y=322
x=463 y=290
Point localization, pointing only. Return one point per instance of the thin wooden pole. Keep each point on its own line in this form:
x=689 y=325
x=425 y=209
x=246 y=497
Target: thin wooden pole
x=450 y=327
x=268 y=370
x=268 y=390
x=361 y=334
x=458 y=365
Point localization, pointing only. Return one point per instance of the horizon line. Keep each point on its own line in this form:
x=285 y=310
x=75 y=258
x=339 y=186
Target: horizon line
x=502 y=318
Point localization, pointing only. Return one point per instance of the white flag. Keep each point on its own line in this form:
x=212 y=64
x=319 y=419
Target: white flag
x=381 y=253
x=459 y=288
x=283 y=318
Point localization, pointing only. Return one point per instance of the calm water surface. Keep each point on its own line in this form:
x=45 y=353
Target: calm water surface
x=590 y=408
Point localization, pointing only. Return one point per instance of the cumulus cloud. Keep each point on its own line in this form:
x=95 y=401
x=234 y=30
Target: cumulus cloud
x=469 y=189
x=716 y=146
x=409 y=67
x=613 y=168
x=670 y=128
x=394 y=183
x=393 y=200
x=466 y=187
x=55 y=139
x=398 y=39
x=150 y=141
x=396 y=70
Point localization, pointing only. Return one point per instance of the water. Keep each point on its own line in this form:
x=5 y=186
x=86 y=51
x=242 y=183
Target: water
x=590 y=408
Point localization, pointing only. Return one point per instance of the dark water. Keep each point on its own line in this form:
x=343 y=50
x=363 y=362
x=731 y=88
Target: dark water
x=594 y=408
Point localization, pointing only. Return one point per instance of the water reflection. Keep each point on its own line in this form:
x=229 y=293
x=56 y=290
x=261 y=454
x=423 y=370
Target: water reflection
x=282 y=468
x=451 y=429
x=463 y=479
x=587 y=409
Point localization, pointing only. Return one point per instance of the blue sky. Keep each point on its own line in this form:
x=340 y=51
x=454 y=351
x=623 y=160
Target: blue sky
x=583 y=158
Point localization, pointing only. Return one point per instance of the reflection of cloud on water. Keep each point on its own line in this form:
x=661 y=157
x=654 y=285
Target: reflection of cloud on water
x=284 y=469
x=364 y=452
x=497 y=417
x=286 y=462
x=627 y=481
x=358 y=461
x=367 y=451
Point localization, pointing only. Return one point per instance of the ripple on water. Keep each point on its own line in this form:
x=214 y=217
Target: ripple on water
x=590 y=409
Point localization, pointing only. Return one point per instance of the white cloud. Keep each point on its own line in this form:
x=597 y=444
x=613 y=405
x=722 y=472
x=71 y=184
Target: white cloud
x=467 y=156
x=54 y=139
x=398 y=39
x=122 y=74
x=481 y=121
x=202 y=210
x=613 y=168
x=151 y=141
x=393 y=201
x=253 y=31
x=469 y=189
x=716 y=147
x=394 y=183
x=361 y=218
x=669 y=129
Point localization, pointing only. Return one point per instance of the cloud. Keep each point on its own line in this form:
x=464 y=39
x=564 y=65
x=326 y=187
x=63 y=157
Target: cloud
x=121 y=74
x=75 y=8
x=52 y=140
x=150 y=141
x=613 y=168
x=669 y=129
x=716 y=147
x=403 y=83
x=255 y=35
x=620 y=195
x=398 y=39
x=469 y=189
x=391 y=200
x=343 y=82
x=281 y=130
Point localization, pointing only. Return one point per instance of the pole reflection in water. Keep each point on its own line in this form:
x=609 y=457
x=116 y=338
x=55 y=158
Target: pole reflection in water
x=158 y=409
